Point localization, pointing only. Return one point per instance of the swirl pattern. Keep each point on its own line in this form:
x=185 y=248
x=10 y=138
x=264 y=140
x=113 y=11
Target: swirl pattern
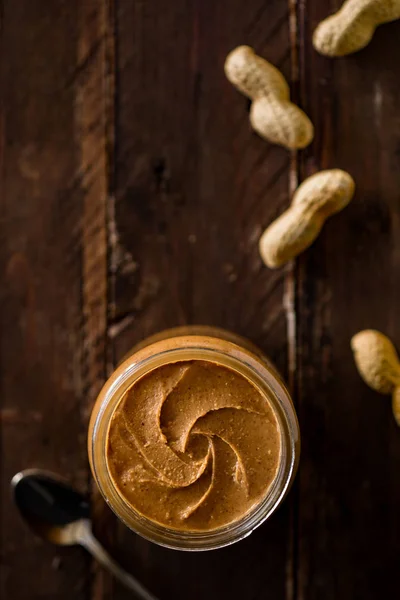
x=193 y=446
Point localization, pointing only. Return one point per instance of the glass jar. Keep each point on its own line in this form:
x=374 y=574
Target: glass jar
x=220 y=347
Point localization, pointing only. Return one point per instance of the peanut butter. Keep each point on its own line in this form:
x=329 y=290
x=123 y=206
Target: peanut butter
x=193 y=446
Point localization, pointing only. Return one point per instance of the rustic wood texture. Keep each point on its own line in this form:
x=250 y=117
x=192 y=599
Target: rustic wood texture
x=349 y=524
x=133 y=195
x=53 y=270
x=193 y=188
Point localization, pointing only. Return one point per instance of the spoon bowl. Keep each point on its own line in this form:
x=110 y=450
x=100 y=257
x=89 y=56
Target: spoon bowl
x=50 y=507
x=59 y=514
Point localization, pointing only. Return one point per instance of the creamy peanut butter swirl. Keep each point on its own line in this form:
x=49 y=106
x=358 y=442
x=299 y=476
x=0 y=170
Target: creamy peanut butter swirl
x=193 y=445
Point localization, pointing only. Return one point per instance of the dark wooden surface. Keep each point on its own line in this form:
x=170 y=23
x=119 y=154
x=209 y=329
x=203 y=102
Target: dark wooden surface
x=133 y=193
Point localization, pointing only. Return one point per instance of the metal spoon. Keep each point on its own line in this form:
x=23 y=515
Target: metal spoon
x=58 y=513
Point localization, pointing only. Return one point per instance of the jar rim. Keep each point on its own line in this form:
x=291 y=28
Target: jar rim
x=234 y=357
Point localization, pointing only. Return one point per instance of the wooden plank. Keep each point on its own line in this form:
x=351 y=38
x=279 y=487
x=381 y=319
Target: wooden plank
x=194 y=188
x=349 y=525
x=94 y=118
x=53 y=269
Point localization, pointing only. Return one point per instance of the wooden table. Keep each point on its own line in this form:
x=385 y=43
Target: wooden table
x=133 y=196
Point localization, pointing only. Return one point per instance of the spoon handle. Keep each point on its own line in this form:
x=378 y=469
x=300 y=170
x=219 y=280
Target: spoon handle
x=93 y=546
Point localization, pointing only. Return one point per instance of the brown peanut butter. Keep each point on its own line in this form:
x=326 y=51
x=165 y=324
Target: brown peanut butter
x=193 y=446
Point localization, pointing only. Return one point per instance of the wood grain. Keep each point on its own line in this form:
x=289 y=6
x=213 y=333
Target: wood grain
x=349 y=526
x=53 y=270
x=194 y=187
x=133 y=193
